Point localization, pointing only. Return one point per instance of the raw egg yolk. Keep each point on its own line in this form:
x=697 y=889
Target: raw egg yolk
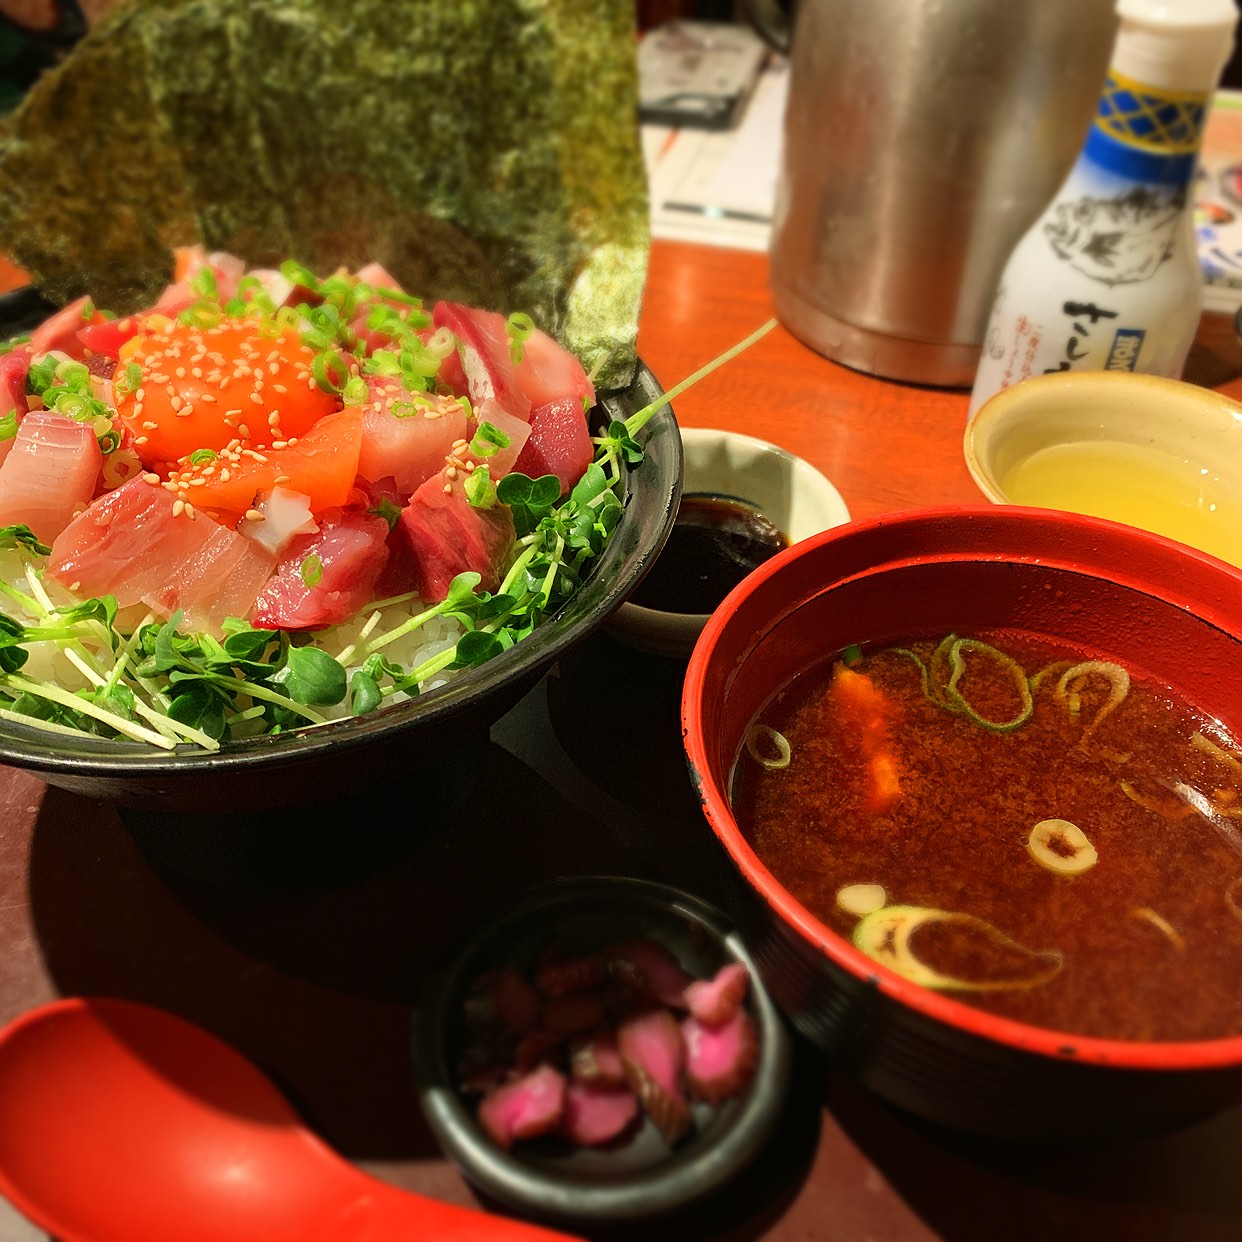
x=207 y=387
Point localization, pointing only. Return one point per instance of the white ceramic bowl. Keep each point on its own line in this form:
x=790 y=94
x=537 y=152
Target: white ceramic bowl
x=795 y=497
x=1150 y=452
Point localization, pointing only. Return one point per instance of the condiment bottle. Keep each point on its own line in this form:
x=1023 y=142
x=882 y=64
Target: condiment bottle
x=1108 y=278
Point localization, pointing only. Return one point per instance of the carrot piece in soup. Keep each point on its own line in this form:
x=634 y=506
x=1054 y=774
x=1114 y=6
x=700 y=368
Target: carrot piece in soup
x=867 y=711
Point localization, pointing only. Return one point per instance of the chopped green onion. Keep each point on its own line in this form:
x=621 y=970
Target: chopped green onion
x=518 y=327
x=8 y=425
x=480 y=490
x=323 y=367
x=127 y=379
x=775 y=752
x=355 y=391
x=203 y=284
x=200 y=457
x=311 y=571
x=489 y=440
x=202 y=315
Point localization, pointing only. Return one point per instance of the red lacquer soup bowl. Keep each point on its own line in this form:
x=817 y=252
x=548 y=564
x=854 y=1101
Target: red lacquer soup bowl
x=1116 y=592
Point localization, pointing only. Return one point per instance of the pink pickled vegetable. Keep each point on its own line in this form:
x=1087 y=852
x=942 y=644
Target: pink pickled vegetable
x=572 y=1013
x=596 y=1114
x=720 y=1060
x=716 y=1000
x=517 y=1003
x=652 y=1053
x=595 y=1059
x=557 y=975
x=648 y=966
x=530 y=1106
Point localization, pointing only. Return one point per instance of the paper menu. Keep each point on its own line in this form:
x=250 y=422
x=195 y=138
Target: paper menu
x=1218 y=204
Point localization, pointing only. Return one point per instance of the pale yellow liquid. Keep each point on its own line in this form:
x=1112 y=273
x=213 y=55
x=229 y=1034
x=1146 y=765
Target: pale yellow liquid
x=1136 y=484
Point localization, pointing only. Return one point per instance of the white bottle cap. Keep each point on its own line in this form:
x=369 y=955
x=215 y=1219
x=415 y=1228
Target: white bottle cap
x=1175 y=44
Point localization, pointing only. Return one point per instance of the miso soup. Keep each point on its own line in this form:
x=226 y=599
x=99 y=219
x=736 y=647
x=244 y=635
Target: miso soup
x=1041 y=834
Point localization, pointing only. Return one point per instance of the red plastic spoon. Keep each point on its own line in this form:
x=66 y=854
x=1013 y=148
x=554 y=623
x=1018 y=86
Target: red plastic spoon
x=122 y=1123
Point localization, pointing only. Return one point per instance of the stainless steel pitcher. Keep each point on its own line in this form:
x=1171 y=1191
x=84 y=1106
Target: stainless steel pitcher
x=922 y=138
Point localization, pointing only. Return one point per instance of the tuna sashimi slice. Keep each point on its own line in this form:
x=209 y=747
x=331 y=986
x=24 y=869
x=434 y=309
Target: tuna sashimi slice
x=716 y=1000
x=597 y=1114
x=60 y=331
x=407 y=437
x=559 y=444
x=324 y=579
x=720 y=1060
x=483 y=345
x=523 y=1109
x=49 y=473
x=652 y=1053
x=447 y=536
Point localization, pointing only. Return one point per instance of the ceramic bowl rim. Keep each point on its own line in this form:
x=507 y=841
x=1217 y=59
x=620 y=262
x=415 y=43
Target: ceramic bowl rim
x=1020 y=1036
x=651 y=1192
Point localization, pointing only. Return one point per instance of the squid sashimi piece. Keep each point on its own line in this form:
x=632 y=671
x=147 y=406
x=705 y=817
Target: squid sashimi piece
x=595 y=1114
x=324 y=579
x=720 y=1060
x=716 y=1000
x=446 y=536
x=483 y=345
x=406 y=437
x=559 y=444
x=492 y=451
x=549 y=372
x=653 y=1055
x=135 y=544
x=49 y=473
x=60 y=331
x=523 y=1109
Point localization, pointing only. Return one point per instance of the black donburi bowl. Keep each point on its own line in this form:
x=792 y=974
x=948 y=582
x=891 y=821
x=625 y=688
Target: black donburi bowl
x=359 y=753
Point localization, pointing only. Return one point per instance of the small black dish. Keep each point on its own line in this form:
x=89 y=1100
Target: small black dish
x=312 y=765
x=640 y=1178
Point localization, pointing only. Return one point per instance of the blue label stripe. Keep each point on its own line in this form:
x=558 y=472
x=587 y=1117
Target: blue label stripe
x=1135 y=164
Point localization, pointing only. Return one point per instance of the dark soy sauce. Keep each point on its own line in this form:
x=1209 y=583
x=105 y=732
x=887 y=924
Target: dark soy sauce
x=715 y=542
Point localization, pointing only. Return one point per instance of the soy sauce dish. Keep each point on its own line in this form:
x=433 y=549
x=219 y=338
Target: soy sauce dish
x=638 y=1174
x=743 y=500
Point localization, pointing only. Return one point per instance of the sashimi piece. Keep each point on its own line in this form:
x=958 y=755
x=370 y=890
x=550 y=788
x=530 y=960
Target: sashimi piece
x=378 y=277
x=60 y=331
x=219 y=579
x=595 y=1114
x=549 y=372
x=447 y=536
x=530 y=1106
x=652 y=1053
x=517 y=1003
x=406 y=437
x=720 y=1060
x=14 y=367
x=483 y=345
x=559 y=444
x=557 y=975
x=48 y=475
x=714 y=1001
x=483 y=451
x=324 y=579
x=135 y=544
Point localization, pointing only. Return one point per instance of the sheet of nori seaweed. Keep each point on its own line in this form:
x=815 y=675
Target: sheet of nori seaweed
x=485 y=150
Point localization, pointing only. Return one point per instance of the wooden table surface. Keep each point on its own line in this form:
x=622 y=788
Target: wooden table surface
x=316 y=982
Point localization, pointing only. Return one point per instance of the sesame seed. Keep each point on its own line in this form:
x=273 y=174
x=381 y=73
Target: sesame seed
x=151 y=478
x=138 y=410
x=189 y=509
x=141 y=440
x=279 y=444
x=209 y=397
x=273 y=419
x=197 y=483
x=174 y=401
x=273 y=368
x=232 y=413
x=149 y=426
x=180 y=372
x=225 y=475
x=257 y=398
x=253 y=515
x=209 y=470
x=243 y=431
x=468 y=467
x=281 y=479
x=197 y=372
x=185 y=411
x=178 y=507
x=159 y=379
x=279 y=388
x=170 y=486
x=140 y=395
x=451 y=472
x=448 y=489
